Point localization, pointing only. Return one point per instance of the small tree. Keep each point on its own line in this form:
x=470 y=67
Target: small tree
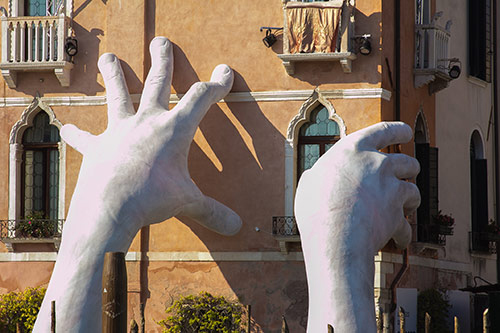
x=20 y=308
x=203 y=314
x=437 y=305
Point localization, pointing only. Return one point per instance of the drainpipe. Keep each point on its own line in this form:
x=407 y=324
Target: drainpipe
x=397 y=117
x=495 y=122
x=397 y=60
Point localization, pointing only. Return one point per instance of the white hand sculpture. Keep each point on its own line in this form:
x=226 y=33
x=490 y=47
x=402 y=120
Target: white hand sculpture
x=348 y=206
x=132 y=175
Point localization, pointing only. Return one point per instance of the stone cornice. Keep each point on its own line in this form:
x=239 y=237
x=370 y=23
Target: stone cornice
x=255 y=96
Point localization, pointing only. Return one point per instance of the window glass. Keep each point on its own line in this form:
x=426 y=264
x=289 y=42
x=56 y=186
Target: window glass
x=315 y=138
x=41 y=168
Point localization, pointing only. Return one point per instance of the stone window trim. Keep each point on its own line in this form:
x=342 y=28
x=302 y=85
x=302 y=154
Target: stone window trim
x=16 y=156
x=16 y=8
x=292 y=138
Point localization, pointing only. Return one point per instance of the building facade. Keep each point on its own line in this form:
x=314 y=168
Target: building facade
x=368 y=61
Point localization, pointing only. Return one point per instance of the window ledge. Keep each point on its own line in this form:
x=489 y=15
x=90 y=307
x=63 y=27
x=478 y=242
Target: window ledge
x=345 y=59
x=61 y=70
x=435 y=78
x=429 y=249
x=9 y=242
x=285 y=241
x=476 y=81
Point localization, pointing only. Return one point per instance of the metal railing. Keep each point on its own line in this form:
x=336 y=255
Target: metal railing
x=31 y=229
x=285 y=226
x=34 y=39
x=433 y=233
x=483 y=241
x=432 y=48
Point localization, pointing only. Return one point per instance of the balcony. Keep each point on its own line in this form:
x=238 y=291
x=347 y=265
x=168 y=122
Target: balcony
x=318 y=31
x=285 y=231
x=434 y=233
x=34 y=231
x=35 y=43
x=432 y=60
x=485 y=242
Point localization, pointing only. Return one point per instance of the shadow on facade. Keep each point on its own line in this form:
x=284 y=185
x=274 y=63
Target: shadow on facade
x=249 y=178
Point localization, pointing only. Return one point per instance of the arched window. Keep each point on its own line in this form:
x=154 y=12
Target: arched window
x=427 y=183
x=40 y=168
x=479 y=194
x=315 y=138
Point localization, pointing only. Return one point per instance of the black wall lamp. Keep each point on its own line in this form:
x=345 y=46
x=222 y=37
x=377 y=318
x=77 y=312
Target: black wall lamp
x=270 y=38
x=454 y=67
x=364 y=44
x=71 y=46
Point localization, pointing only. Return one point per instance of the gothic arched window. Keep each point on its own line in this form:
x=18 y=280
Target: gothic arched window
x=40 y=168
x=315 y=138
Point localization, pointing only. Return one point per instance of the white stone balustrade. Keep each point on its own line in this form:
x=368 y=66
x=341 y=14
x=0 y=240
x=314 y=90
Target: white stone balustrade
x=35 y=43
x=432 y=47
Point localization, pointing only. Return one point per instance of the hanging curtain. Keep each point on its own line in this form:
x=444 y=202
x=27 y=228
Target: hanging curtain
x=312 y=28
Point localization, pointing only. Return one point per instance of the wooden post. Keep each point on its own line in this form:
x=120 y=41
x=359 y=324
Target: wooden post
x=249 y=319
x=402 y=320
x=143 y=321
x=114 y=293
x=18 y=328
x=456 y=325
x=53 y=317
x=284 y=326
x=330 y=328
x=486 y=321
x=428 y=319
x=134 y=328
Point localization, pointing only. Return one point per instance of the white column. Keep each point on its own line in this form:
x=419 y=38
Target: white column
x=15 y=159
x=289 y=178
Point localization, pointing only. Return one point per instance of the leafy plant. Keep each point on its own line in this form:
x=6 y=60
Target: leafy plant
x=436 y=304
x=493 y=227
x=20 y=308
x=443 y=219
x=203 y=313
x=35 y=225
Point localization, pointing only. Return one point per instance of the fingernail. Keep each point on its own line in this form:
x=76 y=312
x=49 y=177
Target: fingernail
x=107 y=58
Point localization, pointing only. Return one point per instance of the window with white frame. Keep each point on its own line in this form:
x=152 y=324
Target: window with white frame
x=37 y=165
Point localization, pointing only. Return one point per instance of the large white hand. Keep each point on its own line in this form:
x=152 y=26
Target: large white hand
x=348 y=206
x=132 y=175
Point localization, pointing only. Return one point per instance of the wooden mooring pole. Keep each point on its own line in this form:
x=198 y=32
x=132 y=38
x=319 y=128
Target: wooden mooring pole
x=53 y=317
x=114 y=293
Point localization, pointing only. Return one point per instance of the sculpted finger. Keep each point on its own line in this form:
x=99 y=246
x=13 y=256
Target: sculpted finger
x=119 y=102
x=411 y=196
x=195 y=103
x=402 y=236
x=405 y=167
x=213 y=215
x=156 y=93
x=382 y=134
x=76 y=138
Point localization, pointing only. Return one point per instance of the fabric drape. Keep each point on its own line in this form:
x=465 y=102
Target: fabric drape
x=312 y=29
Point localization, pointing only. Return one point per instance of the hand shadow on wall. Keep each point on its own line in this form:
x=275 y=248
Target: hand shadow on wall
x=245 y=171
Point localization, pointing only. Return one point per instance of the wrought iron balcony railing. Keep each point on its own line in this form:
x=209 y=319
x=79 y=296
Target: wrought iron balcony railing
x=285 y=231
x=483 y=242
x=30 y=231
x=285 y=226
x=433 y=233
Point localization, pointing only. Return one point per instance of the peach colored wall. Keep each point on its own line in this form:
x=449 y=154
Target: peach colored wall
x=237 y=155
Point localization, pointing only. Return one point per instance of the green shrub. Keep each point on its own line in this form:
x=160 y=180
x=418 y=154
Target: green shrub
x=436 y=304
x=202 y=314
x=20 y=308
